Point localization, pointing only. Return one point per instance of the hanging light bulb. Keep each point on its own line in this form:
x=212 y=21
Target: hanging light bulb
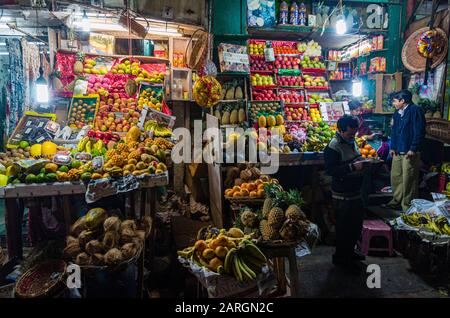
x=356 y=87
x=85 y=23
x=341 y=26
x=41 y=88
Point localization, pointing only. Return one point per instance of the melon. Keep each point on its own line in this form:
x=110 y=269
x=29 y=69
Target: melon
x=48 y=148
x=262 y=121
x=133 y=134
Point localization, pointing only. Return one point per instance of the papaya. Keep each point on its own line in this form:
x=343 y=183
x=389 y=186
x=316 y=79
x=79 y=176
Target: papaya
x=133 y=134
x=271 y=121
x=280 y=120
x=95 y=218
x=262 y=121
x=241 y=115
x=234 y=119
x=225 y=118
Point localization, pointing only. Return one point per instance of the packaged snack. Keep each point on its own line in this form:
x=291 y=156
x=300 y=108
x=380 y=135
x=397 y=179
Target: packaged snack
x=62 y=159
x=233 y=58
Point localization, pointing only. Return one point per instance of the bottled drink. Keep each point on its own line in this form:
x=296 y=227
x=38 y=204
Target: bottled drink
x=284 y=13
x=302 y=14
x=294 y=14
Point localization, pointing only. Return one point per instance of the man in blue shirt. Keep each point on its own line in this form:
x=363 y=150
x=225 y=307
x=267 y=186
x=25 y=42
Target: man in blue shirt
x=408 y=133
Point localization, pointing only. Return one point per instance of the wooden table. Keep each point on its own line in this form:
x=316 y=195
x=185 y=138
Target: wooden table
x=278 y=252
x=142 y=202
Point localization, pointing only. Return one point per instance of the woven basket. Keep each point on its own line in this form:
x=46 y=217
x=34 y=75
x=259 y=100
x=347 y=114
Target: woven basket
x=411 y=58
x=43 y=280
x=199 y=50
x=439 y=128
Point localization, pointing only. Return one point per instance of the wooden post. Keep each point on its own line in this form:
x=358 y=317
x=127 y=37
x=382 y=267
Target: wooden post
x=293 y=273
x=67 y=213
x=13 y=220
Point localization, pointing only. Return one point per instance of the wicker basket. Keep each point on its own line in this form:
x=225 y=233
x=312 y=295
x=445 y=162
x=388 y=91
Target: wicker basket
x=43 y=280
x=439 y=129
x=411 y=58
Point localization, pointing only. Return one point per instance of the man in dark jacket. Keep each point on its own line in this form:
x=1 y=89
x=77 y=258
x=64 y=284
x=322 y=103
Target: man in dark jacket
x=344 y=163
x=408 y=133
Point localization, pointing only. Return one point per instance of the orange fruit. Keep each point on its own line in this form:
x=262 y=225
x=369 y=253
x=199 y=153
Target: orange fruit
x=373 y=152
x=260 y=186
x=251 y=186
x=364 y=152
x=258 y=182
x=369 y=156
x=236 y=188
x=260 y=193
x=245 y=193
x=229 y=192
x=237 y=194
x=253 y=194
x=368 y=147
x=364 y=156
x=244 y=186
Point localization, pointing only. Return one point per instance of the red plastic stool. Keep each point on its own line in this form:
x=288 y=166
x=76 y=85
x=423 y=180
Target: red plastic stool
x=373 y=228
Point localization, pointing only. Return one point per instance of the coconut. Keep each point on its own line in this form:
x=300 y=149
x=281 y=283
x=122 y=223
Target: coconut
x=111 y=224
x=129 y=250
x=113 y=256
x=85 y=237
x=72 y=250
x=82 y=259
x=111 y=239
x=94 y=247
x=97 y=259
x=128 y=224
x=127 y=235
x=78 y=227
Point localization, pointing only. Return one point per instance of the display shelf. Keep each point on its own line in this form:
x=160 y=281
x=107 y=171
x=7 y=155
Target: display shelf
x=292 y=87
x=232 y=101
x=314 y=71
x=181 y=69
x=232 y=74
x=317 y=88
x=264 y=87
x=262 y=71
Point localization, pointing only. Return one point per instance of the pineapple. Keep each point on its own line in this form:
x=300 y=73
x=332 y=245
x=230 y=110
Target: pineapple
x=136 y=154
x=122 y=147
x=78 y=66
x=116 y=160
x=294 y=213
x=111 y=153
x=266 y=207
x=74 y=174
x=248 y=218
x=276 y=217
x=267 y=231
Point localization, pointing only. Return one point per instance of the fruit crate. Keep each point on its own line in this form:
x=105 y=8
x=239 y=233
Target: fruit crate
x=31 y=128
x=83 y=110
x=285 y=48
x=289 y=81
x=258 y=64
x=252 y=43
x=292 y=96
x=264 y=95
x=267 y=107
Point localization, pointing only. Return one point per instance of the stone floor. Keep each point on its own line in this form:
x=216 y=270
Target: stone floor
x=319 y=278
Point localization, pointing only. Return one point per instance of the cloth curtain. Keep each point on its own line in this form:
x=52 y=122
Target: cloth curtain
x=31 y=64
x=17 y=94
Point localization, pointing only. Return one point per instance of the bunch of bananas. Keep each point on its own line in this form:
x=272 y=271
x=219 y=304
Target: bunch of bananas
x=313 y=144
x=245 y=262
x=158 y=129
x=84 y=144
x=438 y=225
x=228 y=255
x=360 y=141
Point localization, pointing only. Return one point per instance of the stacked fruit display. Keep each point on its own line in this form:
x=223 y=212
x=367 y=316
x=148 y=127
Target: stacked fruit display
x=117 y=114
x=318 y=98
x=227 y=253
x=230 y=114
x=311 y=48
x=82 y=112
x=258 y=63
x=150 y=96
x=285 y=49
x=368 y=151
x=249 y=184
x=232 y=90
x=89 y=65
x=256 y=49
x=153 y=77
x=268 y=121
x=319 y=135
x=262 y=80
x=126 y=67
x=257 y=108
x=281 y=217
x=312 y=63
x=287 y=62
x=315 y=115
x=290 y=81
x=99 y=239
x=265 y=95
x=292 y=96
x=315 y=82
x=296 y=113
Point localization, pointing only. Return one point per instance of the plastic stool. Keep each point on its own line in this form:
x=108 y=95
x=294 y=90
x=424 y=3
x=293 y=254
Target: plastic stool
x=373 y=228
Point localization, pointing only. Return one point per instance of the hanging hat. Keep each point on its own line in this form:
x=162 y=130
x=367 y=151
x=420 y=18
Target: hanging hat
x=424 y=42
